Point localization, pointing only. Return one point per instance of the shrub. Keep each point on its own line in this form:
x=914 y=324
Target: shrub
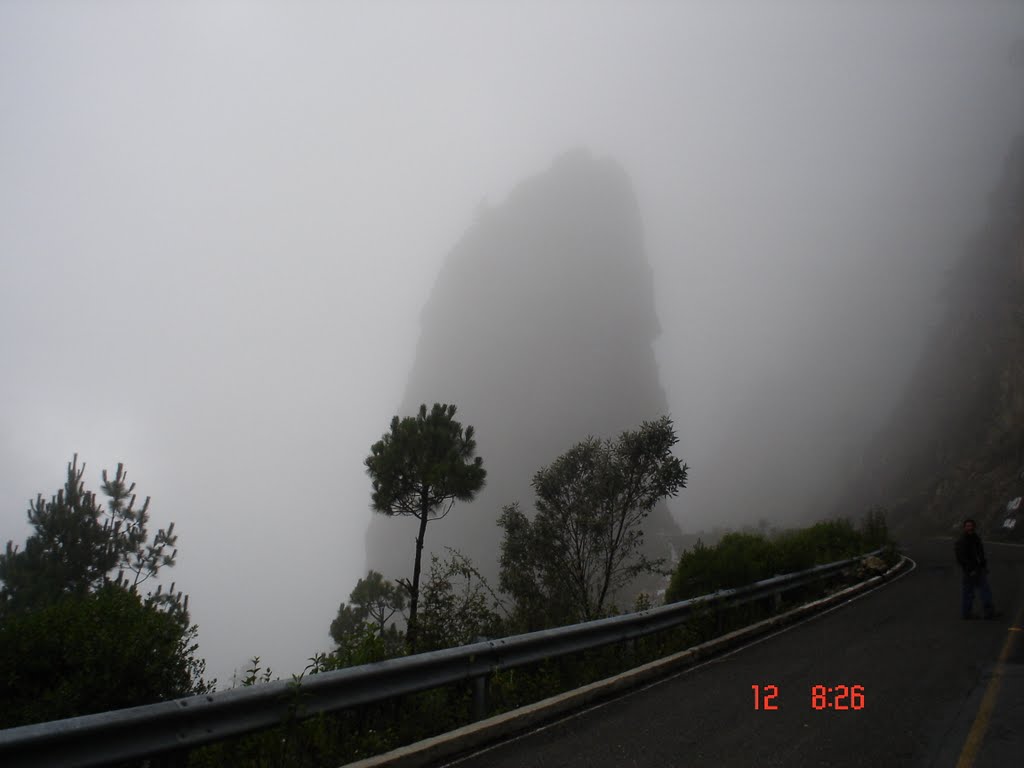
x=105 y=650
x=743 y=558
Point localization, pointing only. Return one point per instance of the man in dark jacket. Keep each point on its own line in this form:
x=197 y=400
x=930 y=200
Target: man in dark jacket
x=971 y=556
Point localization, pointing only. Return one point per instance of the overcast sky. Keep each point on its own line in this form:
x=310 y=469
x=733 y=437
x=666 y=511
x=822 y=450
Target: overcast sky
x=219 y=222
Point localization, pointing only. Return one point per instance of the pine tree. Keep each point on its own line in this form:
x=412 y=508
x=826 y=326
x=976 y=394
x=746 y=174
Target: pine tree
x=76 y=635
x=419 y=469
x=77 y=545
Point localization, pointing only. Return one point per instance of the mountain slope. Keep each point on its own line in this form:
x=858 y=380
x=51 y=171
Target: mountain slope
x=955 y=444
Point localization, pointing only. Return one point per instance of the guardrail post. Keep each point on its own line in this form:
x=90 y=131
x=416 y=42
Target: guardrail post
x=480 y=691
x=480 y=697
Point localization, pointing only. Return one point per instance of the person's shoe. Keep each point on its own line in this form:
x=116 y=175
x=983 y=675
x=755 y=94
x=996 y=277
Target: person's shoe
x=993 y=615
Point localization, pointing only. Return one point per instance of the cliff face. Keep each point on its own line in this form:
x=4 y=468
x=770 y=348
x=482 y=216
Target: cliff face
x=539 y=329
x=955 y=445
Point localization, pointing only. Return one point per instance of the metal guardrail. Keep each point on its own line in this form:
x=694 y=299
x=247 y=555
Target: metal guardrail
x=183 y=724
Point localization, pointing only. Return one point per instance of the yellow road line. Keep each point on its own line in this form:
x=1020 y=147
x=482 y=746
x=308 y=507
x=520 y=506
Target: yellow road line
x=976 y=735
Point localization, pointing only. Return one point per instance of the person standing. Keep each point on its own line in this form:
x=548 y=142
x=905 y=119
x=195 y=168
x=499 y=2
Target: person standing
x=970 y=554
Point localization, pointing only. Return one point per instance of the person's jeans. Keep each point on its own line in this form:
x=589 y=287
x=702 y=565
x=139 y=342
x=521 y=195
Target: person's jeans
x=979 y=581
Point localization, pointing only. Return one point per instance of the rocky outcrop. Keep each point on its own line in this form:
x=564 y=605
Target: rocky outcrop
x=955 y=445
x=540 y=330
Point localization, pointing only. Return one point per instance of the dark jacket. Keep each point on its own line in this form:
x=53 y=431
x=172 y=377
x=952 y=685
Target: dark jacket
x=969 y=553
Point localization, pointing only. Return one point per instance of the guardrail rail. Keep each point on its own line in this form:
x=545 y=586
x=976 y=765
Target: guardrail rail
x=187 y=723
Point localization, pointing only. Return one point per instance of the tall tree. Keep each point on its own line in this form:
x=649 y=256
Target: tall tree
x=419 y=469
x=584 y=543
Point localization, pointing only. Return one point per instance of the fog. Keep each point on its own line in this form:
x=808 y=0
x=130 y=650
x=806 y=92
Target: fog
x=220 y=222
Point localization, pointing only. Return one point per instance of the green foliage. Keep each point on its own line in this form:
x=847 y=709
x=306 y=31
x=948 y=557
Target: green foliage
x=95 y=652
x=424 y=462
x=75 y=634
x=458 y=604
x=256 y=673
x=76 y=545
x=377 y=598
x=642 y=602
x=455 y=609
x=822 y=542
x=419 y=469
x=738 y=559
x=743 y=558
x=875 y=528
x=584 y=542
x=341 y=737
x=529 y=575
x=347 y=623
x=365 y=646
x=374 y=600
x=360 y=629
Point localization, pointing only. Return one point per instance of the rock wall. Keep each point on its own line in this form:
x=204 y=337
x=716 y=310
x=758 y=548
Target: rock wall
x=539 y=329
x=955 y=445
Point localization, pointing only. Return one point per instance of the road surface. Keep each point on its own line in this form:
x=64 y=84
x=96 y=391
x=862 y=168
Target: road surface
x=938 y=691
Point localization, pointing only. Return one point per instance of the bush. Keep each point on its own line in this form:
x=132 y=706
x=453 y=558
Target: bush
x=743 y=558
x=738 y=559
x=875 y=529
x=105 y=650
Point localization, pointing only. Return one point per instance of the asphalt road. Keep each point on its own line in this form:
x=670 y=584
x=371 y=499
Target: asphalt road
x=938 y=691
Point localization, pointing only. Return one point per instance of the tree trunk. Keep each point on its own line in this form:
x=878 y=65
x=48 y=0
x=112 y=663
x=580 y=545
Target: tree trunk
x=414 y=593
